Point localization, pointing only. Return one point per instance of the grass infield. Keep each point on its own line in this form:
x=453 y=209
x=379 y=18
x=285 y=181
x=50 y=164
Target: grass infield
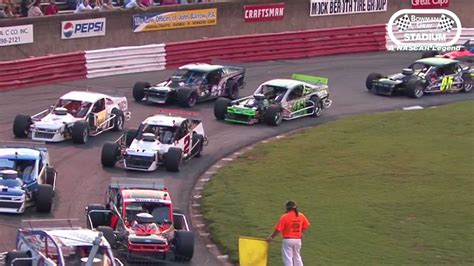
x=389 y=188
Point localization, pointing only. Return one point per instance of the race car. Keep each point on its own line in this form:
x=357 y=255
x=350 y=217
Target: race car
x=138 y=221
x=277 y=100
x=428 y=75
x=161 y=139
x=465 y=53
x=58 y=242
x=77 y=115
x=193 y=83
x=26 y=179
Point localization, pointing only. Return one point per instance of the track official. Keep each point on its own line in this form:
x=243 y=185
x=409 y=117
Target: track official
x=291 y=226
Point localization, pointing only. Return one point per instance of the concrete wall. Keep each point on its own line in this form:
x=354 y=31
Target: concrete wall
x=47 y=30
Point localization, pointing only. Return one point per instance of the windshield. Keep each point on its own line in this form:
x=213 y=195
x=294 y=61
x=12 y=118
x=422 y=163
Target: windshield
x=420 y=69
x=164 y=134
x=77 y=109
x=7 y=164
x=160 y=211
x=187 y=76
x=78 y=255
x=272 y=93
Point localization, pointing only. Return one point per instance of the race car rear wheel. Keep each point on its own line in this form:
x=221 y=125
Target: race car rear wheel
x=21 y=126
x=415 y=88
x=317 y=107
x=232 y=90
x=110 y=154
x=370 y=78
x=273 y=115
x=130 y=135
x=199 y=139
x=220 y=108
x=44 y=198
x=109 y=235
x=173 y=159
x=80 y=132
x=428 y=54
x=12 y=255
x=96 y=218
x=183 y=246
x=467 y=83
x=187 y=97
x=139 y=90
x=50 y=176
x=118 y=120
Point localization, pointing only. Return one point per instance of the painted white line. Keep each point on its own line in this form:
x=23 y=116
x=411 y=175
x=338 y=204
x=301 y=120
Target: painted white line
x=203 y=233
x=217 y=166
x=432 y=107
x=265 y=141
x=196 y=205
x=210 y=172
x=238 y=153
x=197 y=215
x=414 y=107
x=197 y=196
x=210 y=246
x=199 y=188
x=205 y=180
x=200 y=225
x=227 y=159
x=223 y=257
x=280 y=136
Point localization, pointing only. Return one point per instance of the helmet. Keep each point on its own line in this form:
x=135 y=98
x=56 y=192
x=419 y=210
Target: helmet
x=290 y=205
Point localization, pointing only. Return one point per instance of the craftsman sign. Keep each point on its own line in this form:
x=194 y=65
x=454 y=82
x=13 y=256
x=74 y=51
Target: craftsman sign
x=16 y=35
x=429 y=3
x=343 y=7
x=255 y=13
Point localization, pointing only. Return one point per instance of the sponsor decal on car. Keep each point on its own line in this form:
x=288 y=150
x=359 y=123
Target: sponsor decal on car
x=255 y=13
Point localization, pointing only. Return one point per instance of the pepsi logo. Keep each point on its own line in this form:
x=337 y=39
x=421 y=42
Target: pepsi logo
x=68 y=29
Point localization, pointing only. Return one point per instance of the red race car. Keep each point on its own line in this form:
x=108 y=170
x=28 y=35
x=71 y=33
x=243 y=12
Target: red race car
x=465 y=53
x=139 y=222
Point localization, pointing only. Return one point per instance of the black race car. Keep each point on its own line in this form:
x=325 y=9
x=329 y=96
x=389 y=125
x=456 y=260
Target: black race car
x=193 y=83
x=428 y=75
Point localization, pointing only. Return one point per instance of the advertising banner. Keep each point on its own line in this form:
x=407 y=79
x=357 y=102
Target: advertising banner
x=254 y=13
x=82 y=28
x=429 y=4
x=174 y=20
x=344 y=7
x=16 y=35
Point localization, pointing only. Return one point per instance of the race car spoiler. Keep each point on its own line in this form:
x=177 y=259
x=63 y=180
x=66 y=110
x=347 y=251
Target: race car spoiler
x=128 y=182
x=50 y=224
x=310 y=79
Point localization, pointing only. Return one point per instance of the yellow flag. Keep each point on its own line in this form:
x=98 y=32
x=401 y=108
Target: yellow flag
x=252 y=251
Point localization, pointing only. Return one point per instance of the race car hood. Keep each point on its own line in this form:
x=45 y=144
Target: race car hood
x=171 y=85
x=147 y=148
x=11 y=191
x=54 y=121
x=394 y=79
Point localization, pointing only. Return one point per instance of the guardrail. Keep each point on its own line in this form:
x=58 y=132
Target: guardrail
x=42 y=70
x=466 y=34
x=125 y=60
x=285 y=45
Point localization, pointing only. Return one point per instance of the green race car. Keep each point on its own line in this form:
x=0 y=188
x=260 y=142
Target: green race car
x=277 y=100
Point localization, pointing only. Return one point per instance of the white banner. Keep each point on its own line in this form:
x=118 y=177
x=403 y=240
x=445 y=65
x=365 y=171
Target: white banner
x=82 y=28
x=16 y=35
x=343 y=7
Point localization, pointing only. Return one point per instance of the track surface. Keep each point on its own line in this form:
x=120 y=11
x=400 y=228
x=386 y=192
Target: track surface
x=83 y=181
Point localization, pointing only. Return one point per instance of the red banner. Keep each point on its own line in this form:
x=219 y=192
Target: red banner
x=429 y=3
x=254 y=13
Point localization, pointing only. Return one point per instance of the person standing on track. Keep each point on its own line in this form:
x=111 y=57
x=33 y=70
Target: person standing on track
x=291 y=225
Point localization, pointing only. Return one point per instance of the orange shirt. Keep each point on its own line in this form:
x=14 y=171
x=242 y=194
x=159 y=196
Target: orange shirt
x=292 y=226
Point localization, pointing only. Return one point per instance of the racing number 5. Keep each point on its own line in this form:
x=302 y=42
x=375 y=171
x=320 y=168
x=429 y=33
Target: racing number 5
x=447 y=83
x=187 y=142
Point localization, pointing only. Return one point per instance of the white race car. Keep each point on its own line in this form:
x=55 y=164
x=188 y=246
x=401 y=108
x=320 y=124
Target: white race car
x=77 y=115
x=160 y=139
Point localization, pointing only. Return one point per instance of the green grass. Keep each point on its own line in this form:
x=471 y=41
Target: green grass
x=389 y=188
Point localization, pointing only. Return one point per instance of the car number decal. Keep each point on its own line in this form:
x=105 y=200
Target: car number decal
x=447 y=83
x=187 y=141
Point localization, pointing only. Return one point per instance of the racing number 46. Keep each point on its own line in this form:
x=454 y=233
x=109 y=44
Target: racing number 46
x=447 y=83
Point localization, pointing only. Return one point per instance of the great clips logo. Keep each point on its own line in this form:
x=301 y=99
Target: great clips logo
x=429 y=3
x=83 y=28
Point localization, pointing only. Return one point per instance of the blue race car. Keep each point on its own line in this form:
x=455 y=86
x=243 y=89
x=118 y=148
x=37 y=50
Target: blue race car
x=26 y=179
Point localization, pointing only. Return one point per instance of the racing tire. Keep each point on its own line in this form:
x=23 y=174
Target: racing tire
x=109 y=235
x=428 y=54
x=317 y=107
x=44 y=198
x=50 y=176
x=110 y=154
x=187 y=97
x=415 y=88
x=118 y=120
x=183 y=246
x=220 y=108
x=12 y=255
x=370 y=78
x=232 y=90
x=130 y=135
x=273 y=115
x=80 y=132
x=98 y=219
x=139 y=90
x=173 y=159
x=467 y=83
x=21 y=126
x=196 y=151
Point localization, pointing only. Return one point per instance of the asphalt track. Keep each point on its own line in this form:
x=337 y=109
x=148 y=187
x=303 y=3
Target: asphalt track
x=83 y=181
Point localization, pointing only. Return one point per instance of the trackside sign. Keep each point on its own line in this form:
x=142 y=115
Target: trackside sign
x=429 y=3
x=16 y=35
x=255 y=13
x=82 y=28
x=344 y=7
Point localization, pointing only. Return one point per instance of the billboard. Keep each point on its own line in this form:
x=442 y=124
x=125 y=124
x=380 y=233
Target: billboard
x=82 y=28
x=174 y=20
x=255 y=13
x=16 y=35
x=344 y=7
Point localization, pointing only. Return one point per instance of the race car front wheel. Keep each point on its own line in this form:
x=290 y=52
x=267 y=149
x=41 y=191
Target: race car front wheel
x=118 y=119
x=415 y=88
x=370 y=79
x=21 y=126
x=80 y=132
x=317 y=106
x=139 y=90
x=44 y=198
x=187 y=97
x=467 y=83
x=273 y=116
x=183 y=246
x=173 y=159
x=220 y=108
x=13 y=255
x=110 y=153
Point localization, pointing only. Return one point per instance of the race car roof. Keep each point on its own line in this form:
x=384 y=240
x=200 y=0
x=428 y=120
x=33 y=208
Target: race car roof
x=145 y=195
x=436 y=61
x=201 y=67
x=74 y=237
x=84 y=96
x=287 y=83
x=19 y=153
x=164 y=120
